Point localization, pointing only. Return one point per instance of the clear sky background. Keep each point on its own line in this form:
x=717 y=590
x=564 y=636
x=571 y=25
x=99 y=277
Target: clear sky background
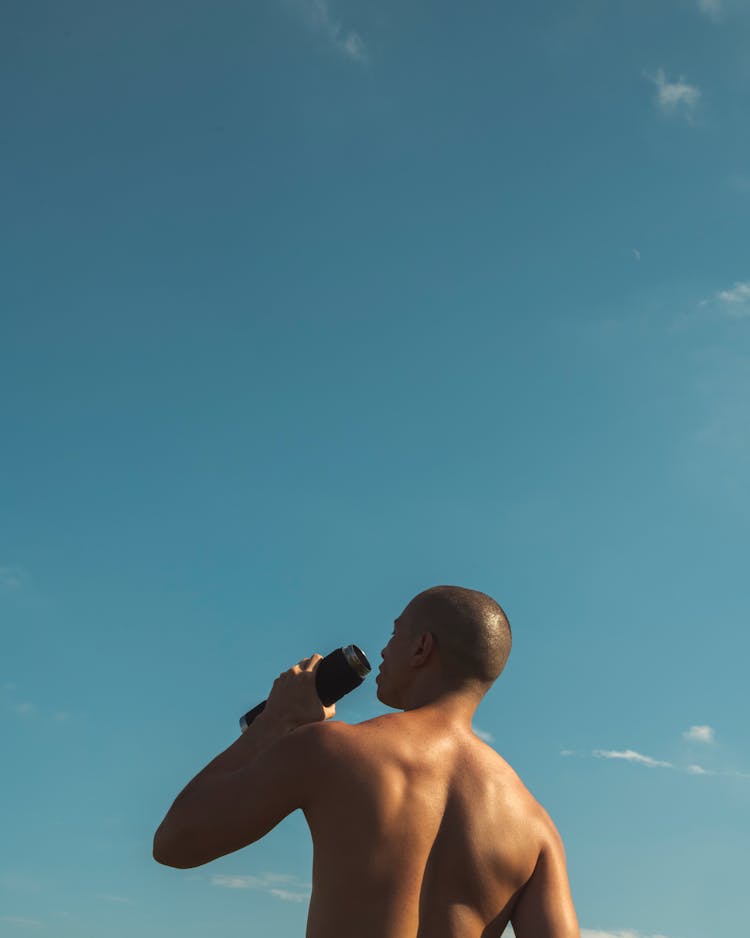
x=307 y=306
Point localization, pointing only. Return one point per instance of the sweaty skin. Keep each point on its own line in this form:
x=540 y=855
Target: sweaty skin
x=431 y=834
x=420 y=829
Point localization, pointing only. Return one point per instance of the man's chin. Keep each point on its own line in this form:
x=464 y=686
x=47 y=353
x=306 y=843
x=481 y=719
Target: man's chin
x=380 y=695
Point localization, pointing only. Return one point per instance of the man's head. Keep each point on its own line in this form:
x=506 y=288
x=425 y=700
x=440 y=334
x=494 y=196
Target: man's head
x=448 y=640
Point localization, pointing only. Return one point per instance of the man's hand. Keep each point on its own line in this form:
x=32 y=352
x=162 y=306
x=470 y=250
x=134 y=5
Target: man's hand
x=254 y=784
x=294 y=700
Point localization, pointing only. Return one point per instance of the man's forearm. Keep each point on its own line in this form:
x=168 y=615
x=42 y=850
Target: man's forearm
x=260 y=734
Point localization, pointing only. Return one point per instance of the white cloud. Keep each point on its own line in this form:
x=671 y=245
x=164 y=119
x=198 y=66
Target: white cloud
x=16 y=920
x=630 y=756
x=110 y=898
x=353 y=47
x=700 y=734
x=714 y=9
x=737 y=299
x=484 y=735
x=288 y=896
x=24 y=708
x=674 y=96
x=346 y=41
x=272 y=883
x=698 y=770
x=636 y=254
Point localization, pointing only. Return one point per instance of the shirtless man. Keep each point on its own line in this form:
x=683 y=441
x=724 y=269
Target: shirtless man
x=420 y=830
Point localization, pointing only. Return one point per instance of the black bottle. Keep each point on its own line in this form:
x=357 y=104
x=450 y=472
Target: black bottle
x=337 y=674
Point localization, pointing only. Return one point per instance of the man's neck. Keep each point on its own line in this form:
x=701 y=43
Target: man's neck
x=453 y=710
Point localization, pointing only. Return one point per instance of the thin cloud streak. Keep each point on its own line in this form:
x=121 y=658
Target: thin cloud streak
x=626 y=933
x=637 y=758
x=272 y=883
x=629 y=755
x=484 y=735
x=698 y=770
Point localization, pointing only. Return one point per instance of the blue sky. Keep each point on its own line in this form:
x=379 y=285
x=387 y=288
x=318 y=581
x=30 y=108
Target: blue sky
x=308 y=306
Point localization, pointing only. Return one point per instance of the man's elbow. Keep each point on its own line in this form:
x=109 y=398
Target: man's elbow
x=169 y=852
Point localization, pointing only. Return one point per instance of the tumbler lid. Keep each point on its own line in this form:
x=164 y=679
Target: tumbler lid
x=357 y=660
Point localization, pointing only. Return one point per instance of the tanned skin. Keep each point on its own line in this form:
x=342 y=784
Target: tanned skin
x=419 y=829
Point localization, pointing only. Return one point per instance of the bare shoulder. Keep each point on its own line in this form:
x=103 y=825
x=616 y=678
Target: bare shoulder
x=324 y=735
x=498 y=766
x=334 y=737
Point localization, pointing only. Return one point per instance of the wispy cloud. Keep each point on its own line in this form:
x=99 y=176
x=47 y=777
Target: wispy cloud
x=605 y=933
x=636 y=254
x=674 y=97
x=484 y=735
x=282 y=885
x=26 y=709
x=12 y=578
x=703 y=734
x=319 y=17
x=698 y=770
x=700 y=734
x=736 y=299
x=108 y=897
x=626 y=933
x=17 y=920
x=714 y=9
x=629 y=755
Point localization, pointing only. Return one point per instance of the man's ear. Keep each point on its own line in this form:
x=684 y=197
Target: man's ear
x=425 y=644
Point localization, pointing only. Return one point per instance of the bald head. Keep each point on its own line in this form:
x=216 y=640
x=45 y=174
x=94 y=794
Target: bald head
x=471 y=632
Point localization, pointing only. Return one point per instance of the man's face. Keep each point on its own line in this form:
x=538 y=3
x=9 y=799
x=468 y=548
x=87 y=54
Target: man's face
x=394 y=674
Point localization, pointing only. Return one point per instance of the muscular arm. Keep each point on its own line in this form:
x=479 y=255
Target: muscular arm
x=276 y=767
x=545 y=908
x=232 y=802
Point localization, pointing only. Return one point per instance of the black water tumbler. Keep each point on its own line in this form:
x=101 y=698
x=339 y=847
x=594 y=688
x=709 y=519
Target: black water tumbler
x=336 y=675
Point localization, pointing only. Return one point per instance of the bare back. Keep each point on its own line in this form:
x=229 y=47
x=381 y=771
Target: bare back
x=418 y=835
